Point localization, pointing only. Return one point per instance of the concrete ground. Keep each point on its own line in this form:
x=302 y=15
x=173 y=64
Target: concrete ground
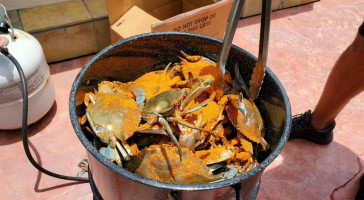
x=305 y=42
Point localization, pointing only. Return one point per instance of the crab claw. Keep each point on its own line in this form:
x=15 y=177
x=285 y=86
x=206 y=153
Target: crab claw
x=191 y=58
x=139 y=96
x=241 y=104
x=239 y=81
x=83 y=164
x=111 y=154
x=203 y=83
x=233 y=171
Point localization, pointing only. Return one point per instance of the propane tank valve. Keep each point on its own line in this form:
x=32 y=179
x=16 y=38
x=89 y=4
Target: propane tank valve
x=4 y=49
x=4 y=26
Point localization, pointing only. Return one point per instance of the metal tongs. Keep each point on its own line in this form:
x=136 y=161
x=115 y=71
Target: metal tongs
x=259 y=69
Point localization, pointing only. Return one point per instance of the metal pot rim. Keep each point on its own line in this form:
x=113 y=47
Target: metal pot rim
x=134 y=177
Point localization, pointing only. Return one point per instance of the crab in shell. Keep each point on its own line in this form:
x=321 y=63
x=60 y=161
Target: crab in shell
x=163 y=81
x=160 y=163
x=196 y=66
x=165 y=105
x=246 y=118
x=219 y=157
x=186 y=124
x=114 y=115
x=109 y=121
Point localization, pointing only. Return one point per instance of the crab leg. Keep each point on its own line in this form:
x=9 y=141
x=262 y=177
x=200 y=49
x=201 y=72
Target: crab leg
x=204 y=103
x=191 y=58
x=127 y=148
x=139 y=96
x=233 y=171
x=215 y=166
x=83 y=164
x=239 y=81
x=187 y=137
x=167 y=68
x=146 y=128
x=171 y=119
x=92 y=99
x=196 y=90
x=237 y=103
x=108 y=138
x=241 y=105
x=124 y=154
x=170 y=133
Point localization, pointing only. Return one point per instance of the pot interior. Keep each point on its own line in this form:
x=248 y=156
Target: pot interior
x=130 y=58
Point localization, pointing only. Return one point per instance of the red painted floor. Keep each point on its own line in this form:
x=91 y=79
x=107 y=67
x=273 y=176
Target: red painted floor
x=305 y=42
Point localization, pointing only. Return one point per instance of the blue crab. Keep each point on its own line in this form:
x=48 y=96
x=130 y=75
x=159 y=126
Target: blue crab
x=112 y=116
x=164 y=106
x=160 y=163
x=246 y=118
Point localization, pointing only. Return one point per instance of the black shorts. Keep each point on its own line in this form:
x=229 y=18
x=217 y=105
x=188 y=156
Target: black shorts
x=361 y=29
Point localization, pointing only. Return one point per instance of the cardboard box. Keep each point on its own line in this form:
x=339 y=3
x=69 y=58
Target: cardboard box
x=208 y=20
x=207 y=17
x=135 y=21
x=117 y=8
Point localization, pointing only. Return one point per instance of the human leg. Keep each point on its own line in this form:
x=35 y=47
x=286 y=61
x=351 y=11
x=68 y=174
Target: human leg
x=345 y=81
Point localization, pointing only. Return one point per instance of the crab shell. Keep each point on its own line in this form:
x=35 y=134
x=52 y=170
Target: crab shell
x=217 y=154
x=210 y=113
x=115 y=113
x=163 y=103
x=249 y=124
x=152 y=83
x=200 y=66
x=162 y=163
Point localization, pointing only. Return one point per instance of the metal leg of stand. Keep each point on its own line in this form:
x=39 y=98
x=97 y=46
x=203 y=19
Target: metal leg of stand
x=95 y=192
x=236 y=187
x=255 y=191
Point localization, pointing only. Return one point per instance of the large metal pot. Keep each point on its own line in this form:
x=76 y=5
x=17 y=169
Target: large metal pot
x=130 y=58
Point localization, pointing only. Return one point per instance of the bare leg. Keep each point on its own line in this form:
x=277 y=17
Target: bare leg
x=346 y=80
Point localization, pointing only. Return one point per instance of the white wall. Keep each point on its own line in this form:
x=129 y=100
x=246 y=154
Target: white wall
x=17 y=4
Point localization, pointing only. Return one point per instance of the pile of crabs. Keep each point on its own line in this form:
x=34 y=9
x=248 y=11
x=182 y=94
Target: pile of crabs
x=186 y=124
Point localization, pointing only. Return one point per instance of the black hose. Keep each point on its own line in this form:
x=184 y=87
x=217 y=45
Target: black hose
x=24 y=123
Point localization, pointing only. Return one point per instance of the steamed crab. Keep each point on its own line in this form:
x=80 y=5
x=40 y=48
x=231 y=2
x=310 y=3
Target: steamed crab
x=195 y=66
x=246 y=118
x=163 y=81
x=160 y=163
x=163 y=106
x=212 y=127
x=109 y=121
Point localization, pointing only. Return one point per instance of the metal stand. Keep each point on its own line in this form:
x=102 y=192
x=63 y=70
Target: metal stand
x=94 y=190
x=255 y=191
x=97 y=195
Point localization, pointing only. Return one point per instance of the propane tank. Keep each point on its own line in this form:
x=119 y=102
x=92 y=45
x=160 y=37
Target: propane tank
x=28 y=52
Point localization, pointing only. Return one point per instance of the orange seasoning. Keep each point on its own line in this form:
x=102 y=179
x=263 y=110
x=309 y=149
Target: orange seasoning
x=216 y=155
x=162 y=163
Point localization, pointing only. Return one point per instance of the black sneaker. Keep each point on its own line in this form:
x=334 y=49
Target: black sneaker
x=360 y=194
x=301 y=128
